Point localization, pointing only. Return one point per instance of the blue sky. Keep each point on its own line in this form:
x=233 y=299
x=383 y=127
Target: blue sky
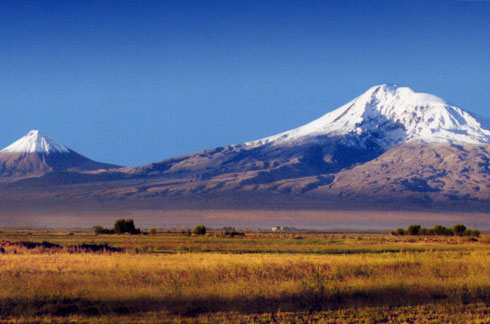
x=132 y=82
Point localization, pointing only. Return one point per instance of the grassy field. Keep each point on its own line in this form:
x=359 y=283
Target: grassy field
x=257 y=278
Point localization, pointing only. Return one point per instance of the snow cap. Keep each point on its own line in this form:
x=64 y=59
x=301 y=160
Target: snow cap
x=35 y=142
x=389 y=115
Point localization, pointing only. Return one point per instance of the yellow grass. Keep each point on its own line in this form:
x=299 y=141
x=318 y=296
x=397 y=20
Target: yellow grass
x=92 y=287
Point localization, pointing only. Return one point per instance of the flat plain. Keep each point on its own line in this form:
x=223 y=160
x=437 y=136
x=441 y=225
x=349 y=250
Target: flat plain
x=59 y=277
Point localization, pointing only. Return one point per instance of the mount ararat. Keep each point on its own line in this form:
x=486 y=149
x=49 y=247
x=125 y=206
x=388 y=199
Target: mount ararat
x=389 y=149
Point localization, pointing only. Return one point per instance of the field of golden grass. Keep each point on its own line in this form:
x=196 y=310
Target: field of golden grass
x=258 y=278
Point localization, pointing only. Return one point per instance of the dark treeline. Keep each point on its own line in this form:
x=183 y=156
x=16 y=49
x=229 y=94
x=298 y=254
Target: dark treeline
x=456 y=230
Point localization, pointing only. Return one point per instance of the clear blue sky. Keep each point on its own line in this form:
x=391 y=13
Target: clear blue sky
x=132 y=82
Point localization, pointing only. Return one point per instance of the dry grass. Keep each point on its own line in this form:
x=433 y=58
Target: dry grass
x=440 y=313
x=376 y=274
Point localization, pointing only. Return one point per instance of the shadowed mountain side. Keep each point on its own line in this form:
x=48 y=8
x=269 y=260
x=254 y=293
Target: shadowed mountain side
x=13 y=165
x=72 y=177
x=430 y=173
x=320 y=155
x=408 y=177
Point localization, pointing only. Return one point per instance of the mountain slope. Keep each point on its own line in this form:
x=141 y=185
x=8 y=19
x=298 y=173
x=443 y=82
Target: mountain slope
x=430 y=173
x=36 y=154
x=390 y=148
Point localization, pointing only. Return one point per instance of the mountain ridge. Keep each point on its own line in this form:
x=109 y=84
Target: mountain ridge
x=375 y=162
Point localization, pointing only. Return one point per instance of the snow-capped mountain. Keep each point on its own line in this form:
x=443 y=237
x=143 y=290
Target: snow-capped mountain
x=390 y=144
x=384 y=117
x=390 y=148
x=35 y=142
x=36 y=154
x=388 y=115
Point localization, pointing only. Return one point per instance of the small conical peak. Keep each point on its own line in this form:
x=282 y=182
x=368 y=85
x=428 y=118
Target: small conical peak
x=36 y=142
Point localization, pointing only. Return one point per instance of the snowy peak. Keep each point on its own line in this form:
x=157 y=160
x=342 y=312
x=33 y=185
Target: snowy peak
x=388 y=115
x=36 y=155
x=35 y=142
x=401 y=95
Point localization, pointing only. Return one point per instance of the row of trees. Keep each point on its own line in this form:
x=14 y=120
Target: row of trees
x=122 y=226
x=458 y=230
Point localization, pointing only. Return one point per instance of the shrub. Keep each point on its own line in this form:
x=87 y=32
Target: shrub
x=125 y=226
x=101 y=230
x=475 y=233
x=441 y=230
x=234 y=233
x=459 y=229
x=399 y=231
x=199 y=230
x=414 y=229
x=152 y=231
